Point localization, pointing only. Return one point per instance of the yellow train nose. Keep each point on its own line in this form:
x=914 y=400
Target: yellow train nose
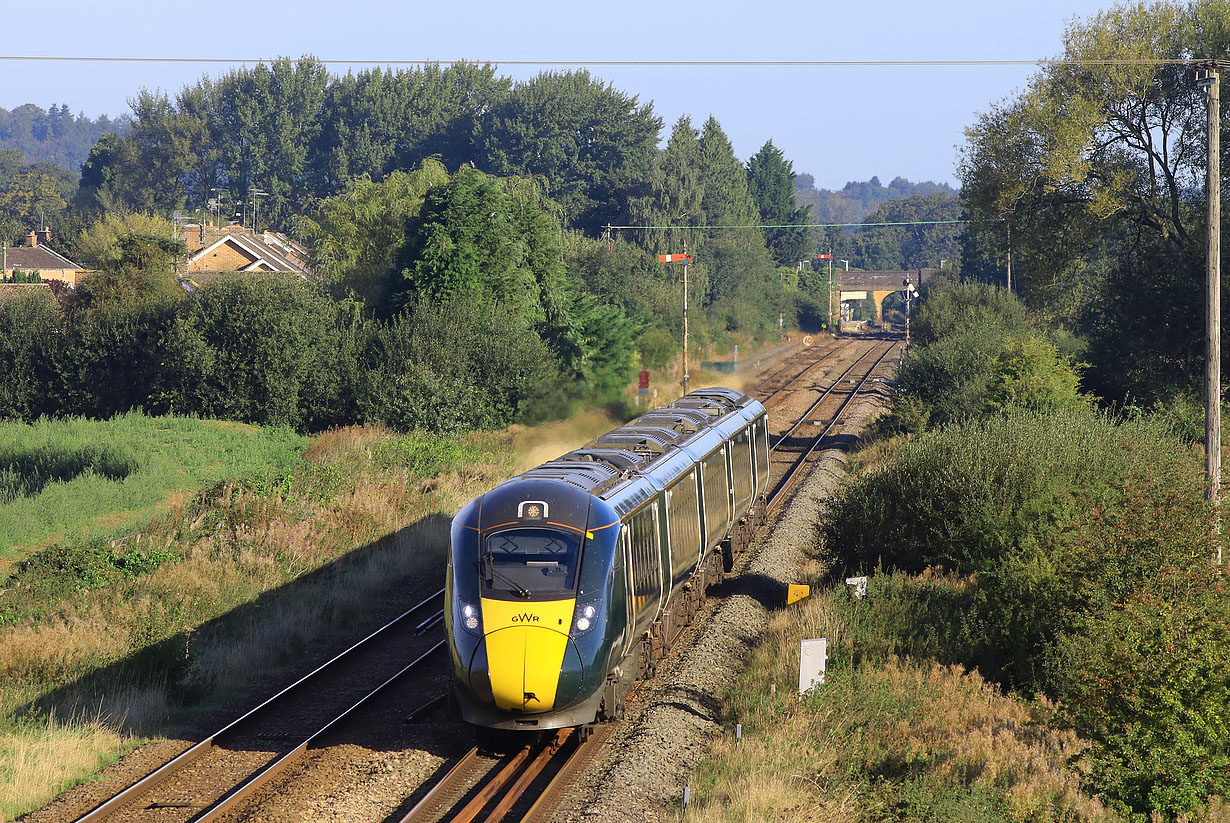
x=526 y=643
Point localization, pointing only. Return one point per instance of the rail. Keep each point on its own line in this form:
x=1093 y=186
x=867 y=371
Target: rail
x=788 y=480
x=233 y=795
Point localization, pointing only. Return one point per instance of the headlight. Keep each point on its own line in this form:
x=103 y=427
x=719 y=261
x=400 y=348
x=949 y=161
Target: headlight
x=471 y=619
x=583 y=618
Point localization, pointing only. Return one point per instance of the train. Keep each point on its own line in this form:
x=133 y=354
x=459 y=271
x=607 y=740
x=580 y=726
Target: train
x=566 y=584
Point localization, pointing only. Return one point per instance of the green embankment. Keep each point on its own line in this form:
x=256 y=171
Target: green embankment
x=87 y=479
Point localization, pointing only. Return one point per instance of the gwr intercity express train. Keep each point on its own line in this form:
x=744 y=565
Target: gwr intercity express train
x=566 y=583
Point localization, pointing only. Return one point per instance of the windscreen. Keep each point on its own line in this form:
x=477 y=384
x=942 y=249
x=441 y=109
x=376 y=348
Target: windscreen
x=531 y=562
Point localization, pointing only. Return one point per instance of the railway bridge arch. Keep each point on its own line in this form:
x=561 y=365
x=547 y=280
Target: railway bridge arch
x=877 y=285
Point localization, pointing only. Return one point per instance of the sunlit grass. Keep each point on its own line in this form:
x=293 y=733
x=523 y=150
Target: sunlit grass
x=52 y=755
x=887 y=736
x=75 y=478
x=317 y=544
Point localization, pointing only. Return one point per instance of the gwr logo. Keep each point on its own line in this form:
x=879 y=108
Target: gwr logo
x=525 y=617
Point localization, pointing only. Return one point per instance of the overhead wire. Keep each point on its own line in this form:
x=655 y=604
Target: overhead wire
x=794 y=225
x=940 y=63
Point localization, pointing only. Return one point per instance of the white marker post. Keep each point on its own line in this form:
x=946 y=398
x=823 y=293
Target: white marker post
x=812 y=657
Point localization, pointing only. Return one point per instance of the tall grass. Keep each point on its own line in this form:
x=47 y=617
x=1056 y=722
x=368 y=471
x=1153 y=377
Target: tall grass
x=77 y=479
x=260 y=571
x=891 y=735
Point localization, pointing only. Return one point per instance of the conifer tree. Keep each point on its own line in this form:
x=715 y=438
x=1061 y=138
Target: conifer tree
x=770 y=180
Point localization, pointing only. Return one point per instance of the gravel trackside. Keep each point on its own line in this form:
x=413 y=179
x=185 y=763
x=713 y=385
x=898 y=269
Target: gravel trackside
x=642 y=775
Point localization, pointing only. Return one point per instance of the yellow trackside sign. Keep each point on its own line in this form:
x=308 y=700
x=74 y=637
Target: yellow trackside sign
x=796 y=592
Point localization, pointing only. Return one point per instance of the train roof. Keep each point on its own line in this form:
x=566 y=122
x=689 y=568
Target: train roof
x=620 y=470
x=655 y=447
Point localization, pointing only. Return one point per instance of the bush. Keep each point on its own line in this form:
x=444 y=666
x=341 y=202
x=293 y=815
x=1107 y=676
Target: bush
x=952 y=377
x=449 y=368
x=31 y=338
x=258 y=349
x=1085 y=544
x=1031 y=373
x=948 y=307
x=1148 y=679
x=1047 y=510
x=974 y=354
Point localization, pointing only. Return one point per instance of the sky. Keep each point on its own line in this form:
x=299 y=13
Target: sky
x=838 y=124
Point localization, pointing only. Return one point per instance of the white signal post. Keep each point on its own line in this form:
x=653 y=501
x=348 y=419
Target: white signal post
x=685 y=260
x=829 y=257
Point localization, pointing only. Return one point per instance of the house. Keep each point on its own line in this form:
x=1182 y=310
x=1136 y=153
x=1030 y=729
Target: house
x=235 y=248
x=37 y=256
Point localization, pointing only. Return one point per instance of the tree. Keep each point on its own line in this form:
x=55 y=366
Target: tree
x=888 y=248
x=355 y=235
x=464 y=244
x=726 y=199
x=31 y=194
x=770 y=181
x=55 y=135
x=142 y=271
x=1097 y=165
x=378 y=121
x=588 y=140
x=672 y=194
x=736 y=255
x=99 y=245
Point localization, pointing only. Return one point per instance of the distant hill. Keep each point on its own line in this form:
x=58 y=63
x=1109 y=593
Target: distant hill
x=55 y=135
x=857 y=200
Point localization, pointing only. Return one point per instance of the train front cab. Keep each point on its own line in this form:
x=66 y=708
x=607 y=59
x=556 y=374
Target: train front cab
x=535 y=614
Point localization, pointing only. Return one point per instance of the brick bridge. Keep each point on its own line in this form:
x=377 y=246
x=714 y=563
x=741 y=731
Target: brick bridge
x=860 y=285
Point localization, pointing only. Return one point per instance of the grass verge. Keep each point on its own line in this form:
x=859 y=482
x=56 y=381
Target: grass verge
x=77 y=479
x=890 y=735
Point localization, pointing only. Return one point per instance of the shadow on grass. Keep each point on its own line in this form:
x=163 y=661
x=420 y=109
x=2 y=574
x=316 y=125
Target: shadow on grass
x=25 y=472
x=186 y=702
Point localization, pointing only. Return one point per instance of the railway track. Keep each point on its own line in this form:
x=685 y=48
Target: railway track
x=521 y=785
x=218 y=774
x=482 y=787
x=215 y=778
x=795 y=366
x=791 y=450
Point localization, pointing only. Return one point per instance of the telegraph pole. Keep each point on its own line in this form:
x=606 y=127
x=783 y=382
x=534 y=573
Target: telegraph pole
x=685 y=260
x=686 y=375
x=830 y=300
x=1206 y=78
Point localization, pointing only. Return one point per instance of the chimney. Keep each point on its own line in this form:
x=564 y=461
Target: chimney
x=194 y=236
x=31 y=240
x=44 y=236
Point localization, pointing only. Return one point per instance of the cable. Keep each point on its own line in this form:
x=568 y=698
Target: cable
x=1042 y=61
x=797 y=225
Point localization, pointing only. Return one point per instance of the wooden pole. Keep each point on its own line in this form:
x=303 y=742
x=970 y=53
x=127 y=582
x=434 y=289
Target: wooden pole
x=1207 y=77
x=1010 y=257
x=686 y=376
x=830 y=290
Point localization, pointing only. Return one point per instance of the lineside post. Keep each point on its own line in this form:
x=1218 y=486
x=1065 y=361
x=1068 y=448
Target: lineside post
x=1207 y=78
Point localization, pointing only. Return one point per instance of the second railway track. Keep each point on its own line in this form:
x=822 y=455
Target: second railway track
x=218 y=774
